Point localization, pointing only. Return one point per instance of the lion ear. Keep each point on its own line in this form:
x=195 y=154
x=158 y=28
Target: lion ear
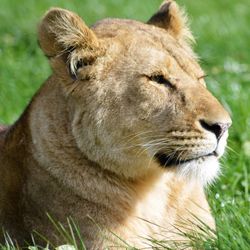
x=67 y=41
x=173 y=19
x=61 y=30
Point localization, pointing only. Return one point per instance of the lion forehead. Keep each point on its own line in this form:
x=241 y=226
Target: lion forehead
x=155 y=45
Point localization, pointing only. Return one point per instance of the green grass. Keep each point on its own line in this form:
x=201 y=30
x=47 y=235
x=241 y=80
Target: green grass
x=221 y=28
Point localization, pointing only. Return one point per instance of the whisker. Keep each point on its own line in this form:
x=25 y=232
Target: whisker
x=232 y=150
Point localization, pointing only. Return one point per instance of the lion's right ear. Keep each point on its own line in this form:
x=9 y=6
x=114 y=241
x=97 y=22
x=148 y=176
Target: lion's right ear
x=64 y=37
x=61 y=30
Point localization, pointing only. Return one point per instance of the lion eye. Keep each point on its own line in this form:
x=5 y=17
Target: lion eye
x=160 y=79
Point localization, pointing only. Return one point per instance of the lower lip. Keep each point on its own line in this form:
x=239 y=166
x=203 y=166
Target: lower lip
x=166 y=161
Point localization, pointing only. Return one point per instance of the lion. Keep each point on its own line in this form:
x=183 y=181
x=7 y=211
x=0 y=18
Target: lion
x=123 y=137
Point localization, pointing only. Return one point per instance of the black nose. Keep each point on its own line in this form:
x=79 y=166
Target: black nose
x=218 y=128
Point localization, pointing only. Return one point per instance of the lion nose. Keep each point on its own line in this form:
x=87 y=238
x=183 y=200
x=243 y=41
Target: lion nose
x=218 y=128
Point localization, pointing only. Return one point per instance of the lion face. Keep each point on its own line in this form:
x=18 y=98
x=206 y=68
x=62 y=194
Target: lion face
x=138 y=97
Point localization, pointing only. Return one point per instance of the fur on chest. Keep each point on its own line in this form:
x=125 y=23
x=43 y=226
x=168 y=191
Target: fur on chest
x=149 y=214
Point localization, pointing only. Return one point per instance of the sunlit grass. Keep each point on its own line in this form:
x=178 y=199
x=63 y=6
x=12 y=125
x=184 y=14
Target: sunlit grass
x=222 y=31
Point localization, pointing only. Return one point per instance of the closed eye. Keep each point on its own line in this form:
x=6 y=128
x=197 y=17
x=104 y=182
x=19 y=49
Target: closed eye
x=160 y=79
x=202 y=77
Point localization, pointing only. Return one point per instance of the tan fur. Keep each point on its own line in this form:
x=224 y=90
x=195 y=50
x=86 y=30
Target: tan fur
x=85 y=147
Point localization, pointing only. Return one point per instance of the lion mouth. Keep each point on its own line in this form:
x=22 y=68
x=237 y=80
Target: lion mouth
x=168 y=161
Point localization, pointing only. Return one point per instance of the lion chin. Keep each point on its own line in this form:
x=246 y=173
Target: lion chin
x=201 y=168
x=204 y=169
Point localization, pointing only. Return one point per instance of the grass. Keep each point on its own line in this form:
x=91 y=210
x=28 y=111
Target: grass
x=221 y=28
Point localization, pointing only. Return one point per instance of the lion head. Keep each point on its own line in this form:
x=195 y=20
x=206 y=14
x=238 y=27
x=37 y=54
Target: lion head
x=138 y=99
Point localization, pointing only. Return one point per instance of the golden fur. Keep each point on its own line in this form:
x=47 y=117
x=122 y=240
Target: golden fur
x=123 y=132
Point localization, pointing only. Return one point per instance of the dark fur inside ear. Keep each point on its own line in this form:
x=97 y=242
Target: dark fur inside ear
x=162 y=17
x=173 y=19
x=75 y=65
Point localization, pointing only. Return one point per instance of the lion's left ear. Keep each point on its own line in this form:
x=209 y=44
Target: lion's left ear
x=173 y=19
